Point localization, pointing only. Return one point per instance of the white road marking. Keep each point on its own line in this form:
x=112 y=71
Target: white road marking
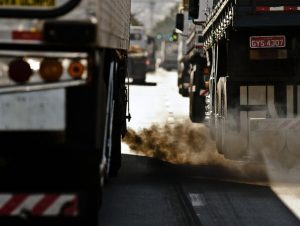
x=197 y=199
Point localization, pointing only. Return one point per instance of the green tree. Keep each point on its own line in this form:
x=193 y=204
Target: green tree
x=166 y=26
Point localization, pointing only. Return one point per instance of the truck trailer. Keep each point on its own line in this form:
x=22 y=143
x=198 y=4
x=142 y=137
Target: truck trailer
x=63 y=102
x=252 y=51
x=192 y=71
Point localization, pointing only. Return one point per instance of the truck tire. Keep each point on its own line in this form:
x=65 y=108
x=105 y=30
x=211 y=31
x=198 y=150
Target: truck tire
x=197 y=108
x=229 y=140
x=114 y=128
x=120 y=117
x=197 y=102
x=221 y=114
x=115 y=159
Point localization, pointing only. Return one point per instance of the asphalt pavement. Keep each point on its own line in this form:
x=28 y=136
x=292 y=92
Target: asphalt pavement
x=142 y=194
x=151 y=192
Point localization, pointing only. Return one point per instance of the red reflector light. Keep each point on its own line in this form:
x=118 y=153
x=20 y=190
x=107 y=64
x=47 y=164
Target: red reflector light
x=277 y=8
x=51 y=70
x=290 y=8
x=76 y=69
x=262 y=8
x=19 y=71
x=26 y=35
x=206 y=71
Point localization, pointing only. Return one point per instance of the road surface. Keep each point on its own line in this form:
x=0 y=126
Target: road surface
x=172 y=175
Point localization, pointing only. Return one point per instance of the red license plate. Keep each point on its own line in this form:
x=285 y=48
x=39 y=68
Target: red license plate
x=276 y=41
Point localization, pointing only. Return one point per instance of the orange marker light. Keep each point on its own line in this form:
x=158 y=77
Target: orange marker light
x=51 y=70
x=206 y=84
x=76 y=69
x=19 y=71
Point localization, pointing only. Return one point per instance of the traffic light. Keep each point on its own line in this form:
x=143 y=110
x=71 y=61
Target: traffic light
x=174 y=37
x=179 y=21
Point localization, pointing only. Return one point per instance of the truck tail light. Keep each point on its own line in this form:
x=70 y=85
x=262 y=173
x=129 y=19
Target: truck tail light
x=19 y=71
x=206 y=71
x=76 y=69
x=36 y=70
x=51 y=70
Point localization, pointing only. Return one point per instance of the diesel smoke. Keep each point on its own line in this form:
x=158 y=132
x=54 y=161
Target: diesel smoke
x=180 y=143
x=186 y=143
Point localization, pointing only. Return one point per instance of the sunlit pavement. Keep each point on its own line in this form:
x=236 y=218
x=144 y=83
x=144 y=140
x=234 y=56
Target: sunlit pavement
x=159 y=104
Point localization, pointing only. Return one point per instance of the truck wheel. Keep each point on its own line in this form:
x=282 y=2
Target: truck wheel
x=221 y=111
x=229 y=140
x=197 y=102
x=115 y=159
x=197 y=108
x=113 y=149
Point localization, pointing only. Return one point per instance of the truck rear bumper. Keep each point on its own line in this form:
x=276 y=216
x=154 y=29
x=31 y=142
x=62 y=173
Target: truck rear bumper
x=38 y=205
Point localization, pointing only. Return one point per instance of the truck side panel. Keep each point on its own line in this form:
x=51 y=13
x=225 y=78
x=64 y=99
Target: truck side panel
x=113 y=22
x=63 y=139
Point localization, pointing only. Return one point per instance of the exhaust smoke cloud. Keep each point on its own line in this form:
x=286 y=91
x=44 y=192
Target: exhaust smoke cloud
x=181 y=143
x=187 y=143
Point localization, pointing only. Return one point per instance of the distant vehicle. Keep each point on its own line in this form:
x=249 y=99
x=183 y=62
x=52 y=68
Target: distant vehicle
x=138 y=55
x=151 y=54
x=169 y=55
x=192 y=63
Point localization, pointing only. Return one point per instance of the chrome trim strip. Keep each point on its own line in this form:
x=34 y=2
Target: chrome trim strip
x=41 y=54
x=37 y=87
